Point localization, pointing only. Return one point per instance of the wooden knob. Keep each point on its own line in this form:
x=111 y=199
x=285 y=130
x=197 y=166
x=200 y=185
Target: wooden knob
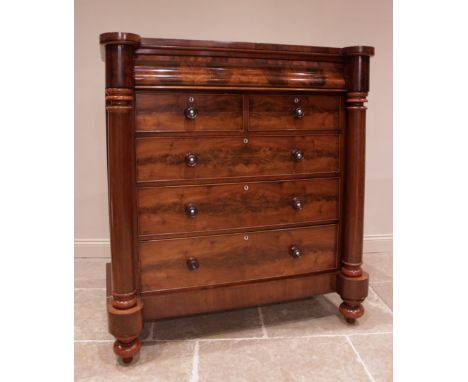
x=192 y=264
x=191 y=210
x=299 y=112
x=191 y=160
x=295 y=252
x=297 y=155
x=297 y=203
x=191 y=112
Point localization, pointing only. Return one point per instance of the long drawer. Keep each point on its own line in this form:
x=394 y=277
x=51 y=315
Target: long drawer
x=222 y=259
x=179 y=209
x=229 y=157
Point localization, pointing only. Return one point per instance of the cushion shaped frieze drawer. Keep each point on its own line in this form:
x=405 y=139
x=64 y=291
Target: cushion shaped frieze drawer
x=165 y=112
x=202 y=208
x=210 y=260
x=229 y=157
x=186 y=70
x=294 y=112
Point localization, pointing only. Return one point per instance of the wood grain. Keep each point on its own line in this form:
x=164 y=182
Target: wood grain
x=226 y=259
x=241 y=177
x=229 y=157
x=185 y=303
x=124 y=308
x=276 y=112
x=171 y=70
x=165 y=112
x=161 y=210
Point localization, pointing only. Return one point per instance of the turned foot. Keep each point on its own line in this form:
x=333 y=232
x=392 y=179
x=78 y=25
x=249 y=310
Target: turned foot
x=351 y=311
x=125 y=325
x=353 y=290
x=127 y=349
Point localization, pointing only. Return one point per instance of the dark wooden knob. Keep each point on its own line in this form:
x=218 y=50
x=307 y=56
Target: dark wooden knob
x=191 y=160
x=297 y=155
x=297 y=203
x=299 y=112
x=295 y=251
x=191 y=210
x=192 y=264
x=191 y=112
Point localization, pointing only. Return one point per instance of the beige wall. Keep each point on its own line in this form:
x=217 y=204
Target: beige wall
x=314 y=22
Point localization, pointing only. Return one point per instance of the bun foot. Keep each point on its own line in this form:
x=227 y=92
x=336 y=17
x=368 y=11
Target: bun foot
x=127 y=349
x=351 y=311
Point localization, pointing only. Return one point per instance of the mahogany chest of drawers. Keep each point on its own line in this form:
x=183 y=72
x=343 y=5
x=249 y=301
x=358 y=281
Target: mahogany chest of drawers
x=236 y=177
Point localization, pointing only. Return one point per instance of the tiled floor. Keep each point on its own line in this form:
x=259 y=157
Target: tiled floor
x=295 y=341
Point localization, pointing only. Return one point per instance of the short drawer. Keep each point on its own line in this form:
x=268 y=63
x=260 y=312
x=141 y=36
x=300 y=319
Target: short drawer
x=223 y=259
x=294 y=112
x=188 y=112
x=229 y=157
x=172 y=210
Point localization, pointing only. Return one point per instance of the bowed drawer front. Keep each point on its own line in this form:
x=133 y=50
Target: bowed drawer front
x=236 y=177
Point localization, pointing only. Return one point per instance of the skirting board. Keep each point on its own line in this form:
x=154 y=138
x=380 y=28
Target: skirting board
x=101 y=247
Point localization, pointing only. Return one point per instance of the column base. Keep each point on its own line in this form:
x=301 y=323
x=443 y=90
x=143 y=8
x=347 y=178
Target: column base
x=353 y=291
x=125 y=325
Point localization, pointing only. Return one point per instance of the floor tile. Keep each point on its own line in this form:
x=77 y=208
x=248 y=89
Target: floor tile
x=385 y=292
x=90 y=273
x=232 y=324
x=91 y=316
x=379 y=266
x=376 y=351
x=299 y=359
x=162 y=361
x=320 y=315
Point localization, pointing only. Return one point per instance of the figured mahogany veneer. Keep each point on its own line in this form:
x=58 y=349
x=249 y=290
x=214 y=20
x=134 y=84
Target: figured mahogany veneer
x=236 y=177
x=166 y=112
x=167 y=70
x=234 y=258
x=236 y=205
x=294 y=112
x=230 y=157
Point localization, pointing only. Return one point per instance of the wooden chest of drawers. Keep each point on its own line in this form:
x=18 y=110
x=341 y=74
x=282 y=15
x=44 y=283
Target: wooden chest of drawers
x=236 y=177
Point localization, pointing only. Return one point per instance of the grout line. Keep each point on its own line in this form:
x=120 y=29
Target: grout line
x=99 y=341
x=91 y=288
x=252 y=338
x=380 y=253
x=368 y=334
x=262 y=323
x=92 y=257
x=382 y=301
x=195 y=362
x=268 y=338
x=369 y=375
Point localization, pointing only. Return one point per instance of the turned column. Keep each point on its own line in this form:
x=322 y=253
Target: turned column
x=352 y=282
x=124 y=307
